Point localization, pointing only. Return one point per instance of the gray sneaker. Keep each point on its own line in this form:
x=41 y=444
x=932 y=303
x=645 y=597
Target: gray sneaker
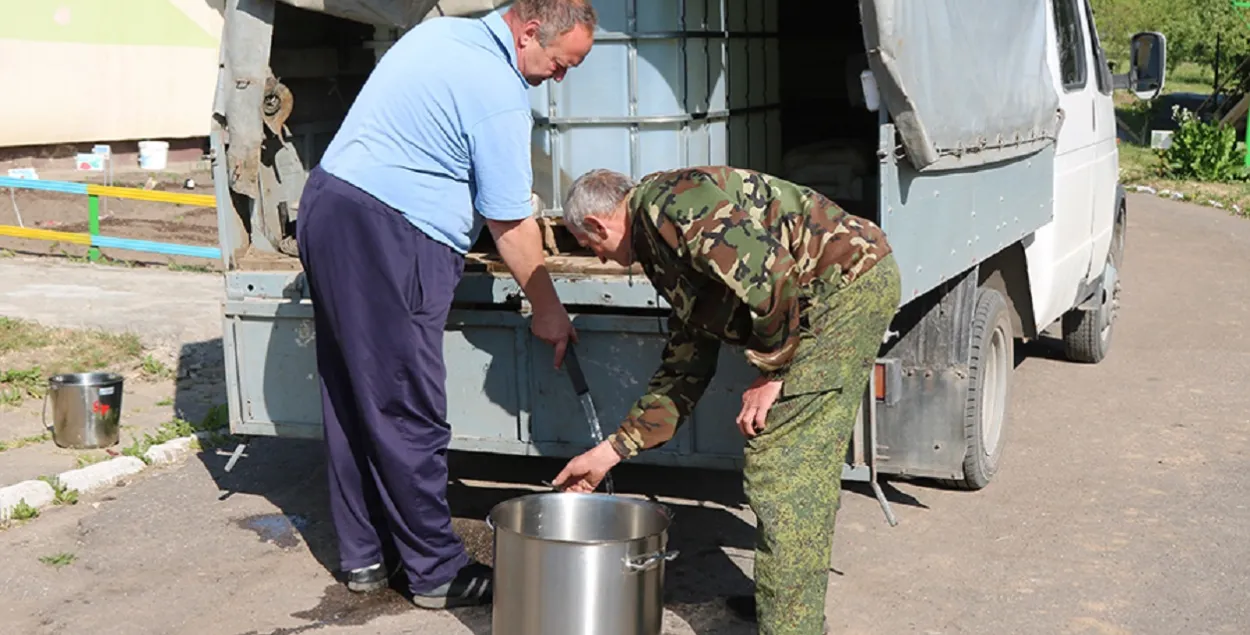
x=371 y=578
x=472 y=586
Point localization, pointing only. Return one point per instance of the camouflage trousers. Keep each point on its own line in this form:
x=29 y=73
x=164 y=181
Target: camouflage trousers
x=793 y=471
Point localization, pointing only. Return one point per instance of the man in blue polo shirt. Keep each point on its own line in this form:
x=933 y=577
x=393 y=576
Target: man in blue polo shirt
x=436 y=146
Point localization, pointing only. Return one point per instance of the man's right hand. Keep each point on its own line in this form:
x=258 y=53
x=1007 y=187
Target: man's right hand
x=554 y=327
x=520 y=245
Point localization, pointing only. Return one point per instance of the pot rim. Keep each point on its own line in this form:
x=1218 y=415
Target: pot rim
x=658 y=508
x=87 y=379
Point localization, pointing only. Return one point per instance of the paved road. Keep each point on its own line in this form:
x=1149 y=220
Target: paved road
x=1121 y=507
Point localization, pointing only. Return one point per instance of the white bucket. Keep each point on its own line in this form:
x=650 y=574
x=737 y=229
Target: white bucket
x=153 y=155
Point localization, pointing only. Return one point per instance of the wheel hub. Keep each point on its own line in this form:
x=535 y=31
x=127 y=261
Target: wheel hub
x=1110 y=298
x=994 y=392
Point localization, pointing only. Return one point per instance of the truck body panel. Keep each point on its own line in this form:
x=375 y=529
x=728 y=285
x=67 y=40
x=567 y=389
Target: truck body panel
x=984 y=179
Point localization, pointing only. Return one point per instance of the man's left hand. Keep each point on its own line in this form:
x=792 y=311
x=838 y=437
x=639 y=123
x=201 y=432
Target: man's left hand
x=756 y=401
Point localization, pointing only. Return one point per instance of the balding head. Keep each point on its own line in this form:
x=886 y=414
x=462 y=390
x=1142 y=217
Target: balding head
x=551 y=36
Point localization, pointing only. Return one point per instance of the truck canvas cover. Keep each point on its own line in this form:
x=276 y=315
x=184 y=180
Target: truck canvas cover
x=967 y=82
x=402 y=14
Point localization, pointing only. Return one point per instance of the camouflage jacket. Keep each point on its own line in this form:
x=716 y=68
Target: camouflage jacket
x=732 y=251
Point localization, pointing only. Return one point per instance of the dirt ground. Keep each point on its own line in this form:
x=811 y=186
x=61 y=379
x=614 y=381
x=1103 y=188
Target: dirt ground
x=160 y=329
x=1121 y=506
x=121 y=218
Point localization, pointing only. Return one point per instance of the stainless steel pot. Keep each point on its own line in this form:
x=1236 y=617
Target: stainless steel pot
x=86 y=409
x=579 y=564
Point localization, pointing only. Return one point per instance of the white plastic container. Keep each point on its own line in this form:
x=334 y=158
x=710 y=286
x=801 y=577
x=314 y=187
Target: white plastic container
x=662 y=98
x=153 y=155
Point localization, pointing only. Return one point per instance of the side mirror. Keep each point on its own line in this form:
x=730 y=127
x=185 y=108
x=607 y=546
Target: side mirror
x=1147 y=66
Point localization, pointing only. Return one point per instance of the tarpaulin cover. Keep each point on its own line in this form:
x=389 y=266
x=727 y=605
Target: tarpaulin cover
x=967 y=82
x=403 y=14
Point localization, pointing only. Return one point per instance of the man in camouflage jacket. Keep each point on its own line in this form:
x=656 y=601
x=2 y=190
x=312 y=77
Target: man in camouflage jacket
x=807 y=290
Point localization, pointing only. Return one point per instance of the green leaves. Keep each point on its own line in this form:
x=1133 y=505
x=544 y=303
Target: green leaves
x=1204 y=151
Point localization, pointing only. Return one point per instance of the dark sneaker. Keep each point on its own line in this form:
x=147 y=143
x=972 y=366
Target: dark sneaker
x=472 y=586
x=369 y=578
x=744 y=607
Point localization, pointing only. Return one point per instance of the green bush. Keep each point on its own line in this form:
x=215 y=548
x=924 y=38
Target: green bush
x=1203 y=151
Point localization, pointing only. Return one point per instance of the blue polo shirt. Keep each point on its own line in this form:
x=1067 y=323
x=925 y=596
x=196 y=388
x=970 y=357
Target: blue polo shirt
x=441 y=128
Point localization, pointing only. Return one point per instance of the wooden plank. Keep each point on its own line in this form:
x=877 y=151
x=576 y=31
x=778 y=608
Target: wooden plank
x=1237 y=112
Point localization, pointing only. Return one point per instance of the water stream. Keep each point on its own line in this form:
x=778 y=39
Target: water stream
x=597 y=434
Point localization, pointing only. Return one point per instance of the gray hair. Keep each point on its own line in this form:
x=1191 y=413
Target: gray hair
x=595 y=193
x=556 y=17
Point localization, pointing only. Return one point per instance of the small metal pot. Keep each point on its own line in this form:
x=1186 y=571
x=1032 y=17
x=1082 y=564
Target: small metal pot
x=579 y=564
x=86 y=409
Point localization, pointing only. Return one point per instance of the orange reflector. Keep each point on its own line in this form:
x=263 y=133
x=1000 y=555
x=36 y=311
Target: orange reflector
x=878 y=372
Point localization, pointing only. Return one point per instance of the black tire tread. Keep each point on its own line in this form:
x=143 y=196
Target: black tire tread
x=1082 y=341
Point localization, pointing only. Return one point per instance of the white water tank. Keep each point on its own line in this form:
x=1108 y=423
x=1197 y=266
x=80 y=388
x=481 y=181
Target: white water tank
x=667 y=84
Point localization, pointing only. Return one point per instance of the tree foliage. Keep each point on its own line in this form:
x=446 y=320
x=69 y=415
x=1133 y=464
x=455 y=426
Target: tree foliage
x=1191 y=28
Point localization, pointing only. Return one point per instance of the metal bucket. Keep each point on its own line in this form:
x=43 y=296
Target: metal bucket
x=86 y=409
x=579 y=564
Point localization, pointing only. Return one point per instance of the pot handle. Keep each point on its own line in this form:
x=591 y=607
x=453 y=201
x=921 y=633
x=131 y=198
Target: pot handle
x=44 y=417
x=642 y=563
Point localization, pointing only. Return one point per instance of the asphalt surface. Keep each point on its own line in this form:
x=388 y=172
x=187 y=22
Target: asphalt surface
x=1121 y=506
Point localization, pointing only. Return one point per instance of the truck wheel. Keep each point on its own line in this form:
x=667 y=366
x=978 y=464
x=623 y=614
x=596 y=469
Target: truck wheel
x=1087 y=333
x=991 y=363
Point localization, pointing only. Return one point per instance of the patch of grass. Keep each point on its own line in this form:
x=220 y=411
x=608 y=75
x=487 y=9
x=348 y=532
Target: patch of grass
x=16 y=335
x=17 y=385
x=114 y=262
x=25 y=441
x=58 y=560
x=80 y=259
x=31 y=352
x=1189 y=77
x=83 y=460
x=23 y=511
x=61 y=495
x=156 y=369
x=168 y=401
x=1142 y=166
x=1139 y=163
x=173 y=266
x=213 y=423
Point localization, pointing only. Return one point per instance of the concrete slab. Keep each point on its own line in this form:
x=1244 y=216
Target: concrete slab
x=34 y=494
x=101 y=475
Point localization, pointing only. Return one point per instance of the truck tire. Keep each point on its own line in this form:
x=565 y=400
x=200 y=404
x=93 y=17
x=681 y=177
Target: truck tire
x=1087 y=333
x=991 y=363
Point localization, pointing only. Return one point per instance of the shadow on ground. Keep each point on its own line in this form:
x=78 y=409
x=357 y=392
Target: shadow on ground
x=200 y=385
x=291 y=475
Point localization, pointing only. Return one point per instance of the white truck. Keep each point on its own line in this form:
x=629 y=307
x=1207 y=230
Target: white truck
x=980 y=134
